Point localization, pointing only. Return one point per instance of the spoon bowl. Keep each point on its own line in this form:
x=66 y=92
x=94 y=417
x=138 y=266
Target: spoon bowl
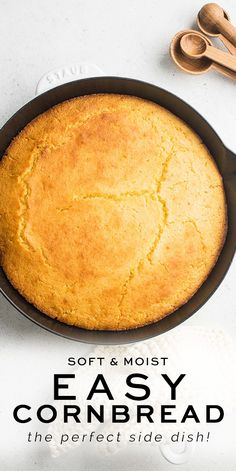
x=193 y=66
x=193 y=45
x=208 y=17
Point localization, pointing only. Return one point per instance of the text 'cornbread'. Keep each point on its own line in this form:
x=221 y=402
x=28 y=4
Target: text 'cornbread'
x=112 y=212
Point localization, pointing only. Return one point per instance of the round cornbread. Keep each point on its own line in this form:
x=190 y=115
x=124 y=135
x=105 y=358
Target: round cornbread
x=112 y=212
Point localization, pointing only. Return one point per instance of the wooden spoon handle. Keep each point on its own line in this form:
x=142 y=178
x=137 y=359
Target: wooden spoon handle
x=224 y=71
x=228 y=44
x=222 y=58
x=228 y=30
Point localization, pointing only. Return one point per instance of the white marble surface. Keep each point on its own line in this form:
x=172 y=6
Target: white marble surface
x=126 y=38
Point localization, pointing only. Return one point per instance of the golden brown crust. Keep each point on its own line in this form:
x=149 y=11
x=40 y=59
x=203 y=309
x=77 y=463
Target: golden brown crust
x=112 y=212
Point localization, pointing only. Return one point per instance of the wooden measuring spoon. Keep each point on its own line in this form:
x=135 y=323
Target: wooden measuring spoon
x=204 y=27
x=195 y=66
x=196 y=47
x=214 y=21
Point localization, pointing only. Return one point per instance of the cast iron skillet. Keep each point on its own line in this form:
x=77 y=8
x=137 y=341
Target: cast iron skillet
x=225 y=160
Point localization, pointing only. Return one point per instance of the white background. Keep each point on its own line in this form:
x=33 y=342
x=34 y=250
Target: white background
x=127 y=38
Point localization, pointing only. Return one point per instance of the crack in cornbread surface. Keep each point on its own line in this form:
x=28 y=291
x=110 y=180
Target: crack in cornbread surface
x=112 y=212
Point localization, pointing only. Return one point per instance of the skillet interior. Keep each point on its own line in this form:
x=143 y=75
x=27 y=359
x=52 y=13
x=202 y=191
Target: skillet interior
x=225 y=160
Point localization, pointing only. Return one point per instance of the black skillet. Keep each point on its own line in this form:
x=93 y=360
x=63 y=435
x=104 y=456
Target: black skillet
x=224 y=158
